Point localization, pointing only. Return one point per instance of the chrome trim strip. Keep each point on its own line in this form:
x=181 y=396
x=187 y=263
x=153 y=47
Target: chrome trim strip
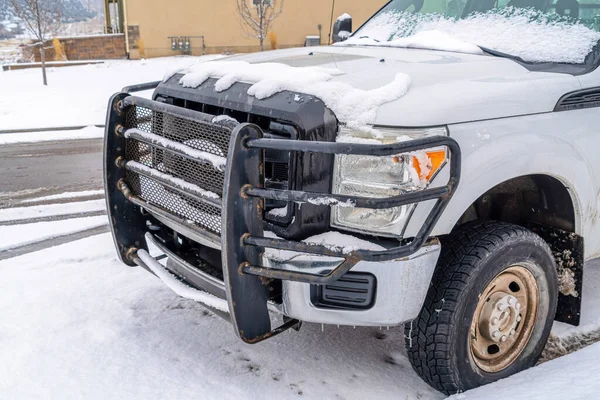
x=205 y=281
x=210 y=280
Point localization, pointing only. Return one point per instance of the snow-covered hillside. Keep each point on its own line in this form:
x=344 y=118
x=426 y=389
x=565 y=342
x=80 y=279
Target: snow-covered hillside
x=73 y=11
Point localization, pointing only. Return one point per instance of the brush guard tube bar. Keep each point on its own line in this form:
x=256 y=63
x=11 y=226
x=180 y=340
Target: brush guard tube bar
x=242 y=239
x=442 y=194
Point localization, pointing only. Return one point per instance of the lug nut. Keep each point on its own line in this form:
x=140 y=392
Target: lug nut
x=495 y=321
x=512 y=332
x=503 y=339
x=511 y=301
x=518 y=306
x=501 y=306
x=519 y=318
x=496 y=334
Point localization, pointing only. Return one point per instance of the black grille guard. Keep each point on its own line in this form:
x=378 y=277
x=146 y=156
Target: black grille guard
x=242 y=239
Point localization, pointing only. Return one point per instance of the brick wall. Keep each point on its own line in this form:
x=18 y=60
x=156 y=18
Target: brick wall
x=100 y=47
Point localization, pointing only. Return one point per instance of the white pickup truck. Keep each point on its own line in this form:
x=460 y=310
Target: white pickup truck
x=438 y=170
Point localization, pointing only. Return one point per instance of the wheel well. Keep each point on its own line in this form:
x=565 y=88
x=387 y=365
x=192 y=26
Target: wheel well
x=543 y=204
x=526 y=200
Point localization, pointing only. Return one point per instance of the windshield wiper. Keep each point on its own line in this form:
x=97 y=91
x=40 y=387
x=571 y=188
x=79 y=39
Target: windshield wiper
x=362 y=37
x=501 y=54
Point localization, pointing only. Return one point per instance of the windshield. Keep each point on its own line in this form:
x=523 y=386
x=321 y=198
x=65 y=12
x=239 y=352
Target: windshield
x=563 y=31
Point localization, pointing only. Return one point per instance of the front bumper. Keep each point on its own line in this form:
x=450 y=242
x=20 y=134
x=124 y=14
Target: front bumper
x=401 y=288
x=405 y=270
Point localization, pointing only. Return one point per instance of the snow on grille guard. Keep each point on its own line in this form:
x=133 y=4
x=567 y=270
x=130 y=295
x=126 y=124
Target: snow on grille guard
x=241 y=238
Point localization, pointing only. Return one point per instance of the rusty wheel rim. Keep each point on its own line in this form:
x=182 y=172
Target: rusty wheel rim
x=504 y=319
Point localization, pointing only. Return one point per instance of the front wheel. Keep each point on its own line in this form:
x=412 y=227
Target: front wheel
x=489 y=310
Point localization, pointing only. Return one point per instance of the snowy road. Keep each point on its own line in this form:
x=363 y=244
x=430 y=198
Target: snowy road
x=39 y=168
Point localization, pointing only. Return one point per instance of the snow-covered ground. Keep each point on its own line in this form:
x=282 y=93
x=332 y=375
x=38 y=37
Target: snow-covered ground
x=75 y=96
x=572 y=377
x=77 y=323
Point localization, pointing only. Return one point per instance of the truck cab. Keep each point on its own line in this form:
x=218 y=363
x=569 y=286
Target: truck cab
x=436 y=170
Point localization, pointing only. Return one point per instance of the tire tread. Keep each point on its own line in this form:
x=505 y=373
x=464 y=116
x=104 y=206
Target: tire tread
x=427 y=337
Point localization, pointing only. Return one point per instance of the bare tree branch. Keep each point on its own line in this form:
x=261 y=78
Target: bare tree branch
x=257 y=16
x=42 y=18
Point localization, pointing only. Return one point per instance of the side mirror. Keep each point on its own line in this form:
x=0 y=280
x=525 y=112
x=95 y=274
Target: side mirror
x=342 y=29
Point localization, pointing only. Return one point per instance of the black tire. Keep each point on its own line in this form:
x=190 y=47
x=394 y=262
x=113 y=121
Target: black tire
x=437 y=341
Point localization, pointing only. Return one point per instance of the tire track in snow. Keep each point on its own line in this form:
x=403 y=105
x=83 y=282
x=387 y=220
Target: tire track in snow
x=50 y=218
x=45 y=244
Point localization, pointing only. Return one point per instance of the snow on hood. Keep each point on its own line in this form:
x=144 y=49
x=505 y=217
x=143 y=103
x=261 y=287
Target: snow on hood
x=445 y=87
x=356 y=107
x=432 y=40
x=525 y=33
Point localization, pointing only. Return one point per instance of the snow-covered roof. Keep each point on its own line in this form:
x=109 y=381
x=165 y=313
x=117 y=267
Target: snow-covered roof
x=525 y=33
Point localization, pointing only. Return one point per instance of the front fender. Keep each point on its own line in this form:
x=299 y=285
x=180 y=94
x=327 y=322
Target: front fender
x=497 y=151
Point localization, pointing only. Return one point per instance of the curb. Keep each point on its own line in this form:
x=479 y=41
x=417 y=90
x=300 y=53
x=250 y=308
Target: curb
x=54 y=129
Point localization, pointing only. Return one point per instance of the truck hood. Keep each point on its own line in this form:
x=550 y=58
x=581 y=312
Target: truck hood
x=447 y=88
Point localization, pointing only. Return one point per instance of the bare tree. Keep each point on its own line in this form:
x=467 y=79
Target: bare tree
x=42 y=18
x=257 y=16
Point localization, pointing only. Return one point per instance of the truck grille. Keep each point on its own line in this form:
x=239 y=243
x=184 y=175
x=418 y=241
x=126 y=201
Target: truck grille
x=210 y=138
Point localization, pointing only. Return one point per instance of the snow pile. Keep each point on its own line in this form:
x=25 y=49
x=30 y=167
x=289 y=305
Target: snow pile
x=525 y=33
x=268 y=78
x=344 y=17
x=343 y=243
x=434 y=40
x=219 y=119
x=344 y=35
x=175 y=70
x=278 y=212
x=334 y=241
x=218 y=162
x=354 y=106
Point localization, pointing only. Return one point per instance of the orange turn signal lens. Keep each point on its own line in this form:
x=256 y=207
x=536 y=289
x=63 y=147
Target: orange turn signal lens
x=433 y=162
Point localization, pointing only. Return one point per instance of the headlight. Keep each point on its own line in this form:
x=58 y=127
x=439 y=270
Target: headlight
x=380 y=177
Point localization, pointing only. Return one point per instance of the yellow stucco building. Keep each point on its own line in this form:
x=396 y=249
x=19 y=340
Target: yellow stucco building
x=153 y=28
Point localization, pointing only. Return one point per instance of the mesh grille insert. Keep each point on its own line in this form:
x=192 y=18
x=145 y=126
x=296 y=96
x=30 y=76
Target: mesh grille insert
x=213 y=139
